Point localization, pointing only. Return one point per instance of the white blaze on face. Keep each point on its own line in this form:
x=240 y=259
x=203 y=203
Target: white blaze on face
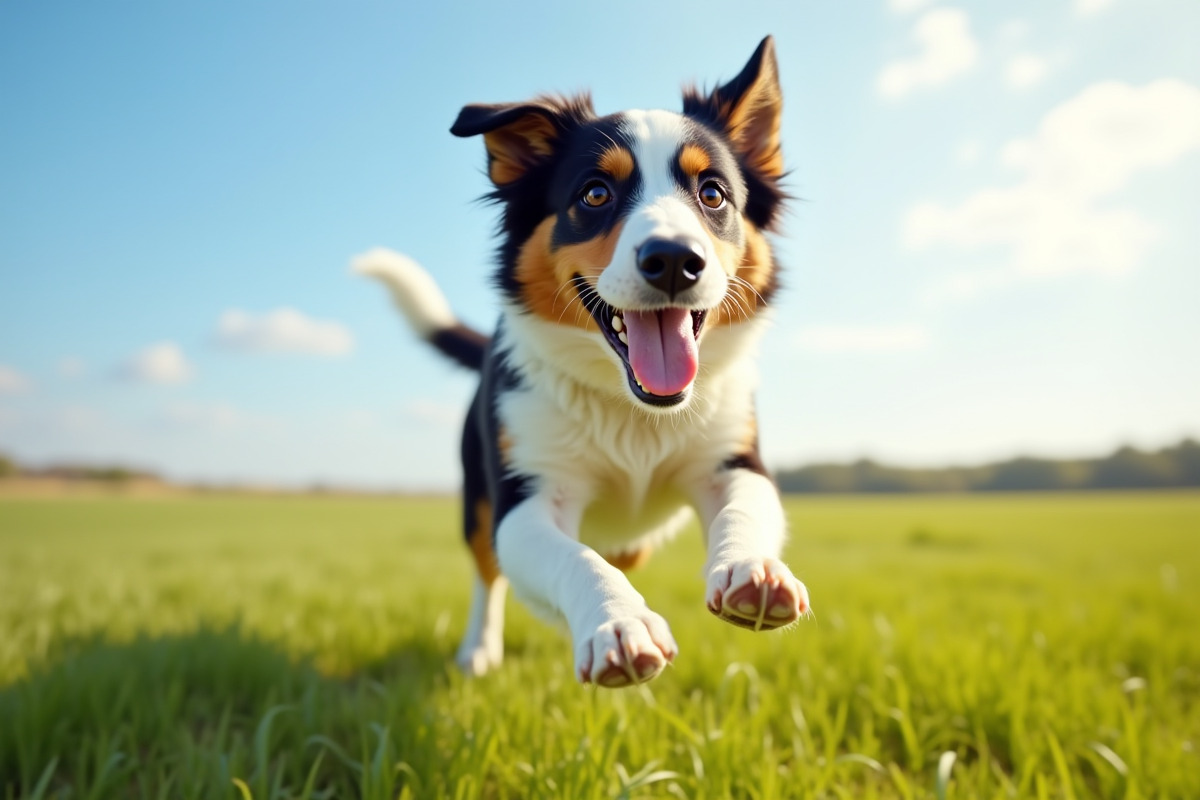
x=662 y=348
x=663 y=211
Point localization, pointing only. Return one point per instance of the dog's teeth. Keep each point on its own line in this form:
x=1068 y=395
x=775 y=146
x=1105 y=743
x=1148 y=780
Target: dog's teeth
x=624 y=339
x=617 y=323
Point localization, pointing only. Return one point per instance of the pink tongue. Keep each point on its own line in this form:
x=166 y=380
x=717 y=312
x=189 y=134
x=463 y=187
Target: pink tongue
x=662 y=349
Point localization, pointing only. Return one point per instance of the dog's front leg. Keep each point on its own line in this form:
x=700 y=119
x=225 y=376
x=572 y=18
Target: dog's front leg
x=746 y=583
x=618 y=640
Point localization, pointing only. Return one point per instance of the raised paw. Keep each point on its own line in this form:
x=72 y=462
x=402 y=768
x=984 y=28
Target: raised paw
x=756 y=593
x=625 y=651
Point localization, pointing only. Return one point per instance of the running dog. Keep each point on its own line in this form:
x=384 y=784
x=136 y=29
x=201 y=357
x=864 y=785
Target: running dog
x=616 y=396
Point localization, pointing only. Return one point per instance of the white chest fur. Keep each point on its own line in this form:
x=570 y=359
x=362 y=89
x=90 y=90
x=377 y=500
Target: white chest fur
x=574 y=429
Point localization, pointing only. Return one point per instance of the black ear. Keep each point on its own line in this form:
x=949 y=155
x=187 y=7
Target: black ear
x=748 y=109
x=518 y=136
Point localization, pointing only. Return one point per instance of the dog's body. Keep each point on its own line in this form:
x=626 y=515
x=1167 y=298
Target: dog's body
x=617 y=394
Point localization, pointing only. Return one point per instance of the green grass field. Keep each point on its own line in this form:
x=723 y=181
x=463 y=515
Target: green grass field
x=300 y=647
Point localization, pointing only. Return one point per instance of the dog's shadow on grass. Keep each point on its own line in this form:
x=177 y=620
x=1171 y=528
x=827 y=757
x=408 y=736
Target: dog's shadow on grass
x=214 y=705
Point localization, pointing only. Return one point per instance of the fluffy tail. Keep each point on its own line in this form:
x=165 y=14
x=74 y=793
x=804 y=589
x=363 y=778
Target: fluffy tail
x=423 y=305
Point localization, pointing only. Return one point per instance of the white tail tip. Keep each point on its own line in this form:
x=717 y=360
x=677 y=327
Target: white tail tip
x=413 y=289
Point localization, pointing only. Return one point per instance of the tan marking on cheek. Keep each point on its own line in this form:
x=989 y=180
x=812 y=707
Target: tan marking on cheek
x=630 y=559
x=693 y=160
x=617 y=161
x=480 y=540
x=758 y=264
x=545 y=275
x=752 y=264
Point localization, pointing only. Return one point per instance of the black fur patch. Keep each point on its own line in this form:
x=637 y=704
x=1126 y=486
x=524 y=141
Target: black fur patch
x=464 y=345
x=484 y=471
x=576 y=167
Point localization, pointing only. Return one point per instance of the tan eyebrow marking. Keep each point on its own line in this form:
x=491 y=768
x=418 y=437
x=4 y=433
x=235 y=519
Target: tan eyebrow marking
x=617 y=161
x=693 y=160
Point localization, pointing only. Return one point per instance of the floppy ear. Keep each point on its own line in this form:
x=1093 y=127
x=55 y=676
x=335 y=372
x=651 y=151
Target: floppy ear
x=748 y=109
x=519 y=136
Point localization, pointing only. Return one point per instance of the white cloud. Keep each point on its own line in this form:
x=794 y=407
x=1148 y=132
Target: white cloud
x=434 y=413
x=1083 y=152
x=12 y=382
x=76 y=419
x=1017 y=154
x=861 y=339
x=947 y=49
x=213 y=417
x=43 y=423
x=907 y=6
x=1014 y=30
x=963 y=286
x=967 y=153
x=163 y=362
x=1088 y=8
x=283 y=330
x=71 y=367
x=1025 y=70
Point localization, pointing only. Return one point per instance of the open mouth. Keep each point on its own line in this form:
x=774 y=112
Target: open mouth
x=658 y=347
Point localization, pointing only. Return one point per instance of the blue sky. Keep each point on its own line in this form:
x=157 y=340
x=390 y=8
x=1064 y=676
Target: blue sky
x=996 y=250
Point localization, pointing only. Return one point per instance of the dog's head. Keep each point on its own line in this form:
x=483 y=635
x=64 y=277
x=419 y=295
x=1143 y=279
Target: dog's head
x=644 y=228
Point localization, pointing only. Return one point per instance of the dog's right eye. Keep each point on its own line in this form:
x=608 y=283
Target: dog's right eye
x=595 y=194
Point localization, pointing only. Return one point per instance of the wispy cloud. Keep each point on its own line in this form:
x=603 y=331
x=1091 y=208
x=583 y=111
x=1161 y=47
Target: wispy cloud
x=861 y=339
x=12 y=382
x=1089 y=8
x=45 y=422
x=947 y=49
x=964 y=286
x=163 y=362
x=1084 y=152
x=210 y=417
x=283 y=330
x=967 y=153
x=1025 y=70
x=907 y=6
x=71 y=368
x=1013 y=31
x=433 y=413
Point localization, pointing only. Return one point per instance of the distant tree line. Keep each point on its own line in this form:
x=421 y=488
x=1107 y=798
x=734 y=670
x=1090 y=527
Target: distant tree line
x=113 y=473
x=1126 y=468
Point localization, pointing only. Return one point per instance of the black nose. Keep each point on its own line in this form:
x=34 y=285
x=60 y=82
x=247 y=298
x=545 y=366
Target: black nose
x=670 y=265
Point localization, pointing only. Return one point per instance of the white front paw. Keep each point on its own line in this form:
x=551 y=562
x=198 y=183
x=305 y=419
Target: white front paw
x=625 y=650
x=756 y=593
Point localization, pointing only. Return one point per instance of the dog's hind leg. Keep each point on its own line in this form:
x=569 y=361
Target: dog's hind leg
x=482 y=646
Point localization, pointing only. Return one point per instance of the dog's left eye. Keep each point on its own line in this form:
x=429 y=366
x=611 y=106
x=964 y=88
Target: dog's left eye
x=595 y=195
x=711 y=195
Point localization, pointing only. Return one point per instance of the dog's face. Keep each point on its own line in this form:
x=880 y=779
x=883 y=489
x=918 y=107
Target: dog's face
x=644 y=228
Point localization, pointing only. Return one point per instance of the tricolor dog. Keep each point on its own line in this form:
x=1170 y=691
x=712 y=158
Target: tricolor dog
x=616 y=395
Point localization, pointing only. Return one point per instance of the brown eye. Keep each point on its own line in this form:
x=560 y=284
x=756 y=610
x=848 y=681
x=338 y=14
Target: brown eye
x=711 y=195
x=595 y=195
